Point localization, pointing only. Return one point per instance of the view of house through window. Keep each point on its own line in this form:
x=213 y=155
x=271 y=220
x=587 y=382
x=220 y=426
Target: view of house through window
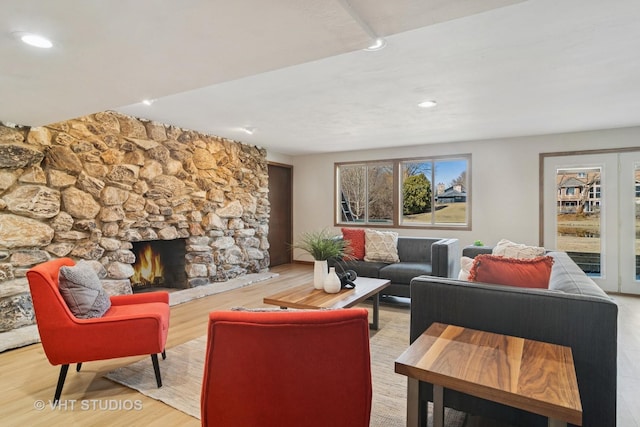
x=579 y=198
x=416 y=192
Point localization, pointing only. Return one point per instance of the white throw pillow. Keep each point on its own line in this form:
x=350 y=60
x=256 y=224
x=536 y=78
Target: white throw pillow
x=381 y=246
x=465 y=268
x=509 y=249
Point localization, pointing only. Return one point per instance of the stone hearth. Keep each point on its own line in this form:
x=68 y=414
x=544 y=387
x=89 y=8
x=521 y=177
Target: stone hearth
x=88 y=188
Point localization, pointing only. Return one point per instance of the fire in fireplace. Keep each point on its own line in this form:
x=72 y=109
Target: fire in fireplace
x=159 y=264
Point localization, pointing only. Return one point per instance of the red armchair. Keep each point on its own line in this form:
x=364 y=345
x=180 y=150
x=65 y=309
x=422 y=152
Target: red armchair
x=287 y=368
x=134 y=325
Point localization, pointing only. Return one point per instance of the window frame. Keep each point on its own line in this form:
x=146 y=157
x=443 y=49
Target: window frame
x=397 y=220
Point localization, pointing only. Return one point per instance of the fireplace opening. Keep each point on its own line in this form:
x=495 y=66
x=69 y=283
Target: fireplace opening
x=160 y=264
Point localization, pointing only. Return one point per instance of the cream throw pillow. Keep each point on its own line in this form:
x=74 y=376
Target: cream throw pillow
x=509 y=249
x=465 y=268
x=381 y=246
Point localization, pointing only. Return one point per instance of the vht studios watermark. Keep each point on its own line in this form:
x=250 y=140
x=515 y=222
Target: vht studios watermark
x=88 y=405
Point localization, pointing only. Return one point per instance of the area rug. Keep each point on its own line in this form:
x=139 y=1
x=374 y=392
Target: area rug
x=183 y=368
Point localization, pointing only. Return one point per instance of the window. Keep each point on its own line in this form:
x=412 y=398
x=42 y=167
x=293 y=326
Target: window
x=366 y=192
x=429 y=192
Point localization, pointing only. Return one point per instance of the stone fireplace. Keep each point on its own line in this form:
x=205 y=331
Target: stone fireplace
x=92 y=187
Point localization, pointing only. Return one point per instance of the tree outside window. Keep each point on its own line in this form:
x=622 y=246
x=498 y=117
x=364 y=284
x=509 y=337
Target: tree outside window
x=366 y=192
x=380 y=192
x=353 y=192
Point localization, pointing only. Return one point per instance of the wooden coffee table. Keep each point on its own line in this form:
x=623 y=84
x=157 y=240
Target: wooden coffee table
x=531 y=375
x=306 y=296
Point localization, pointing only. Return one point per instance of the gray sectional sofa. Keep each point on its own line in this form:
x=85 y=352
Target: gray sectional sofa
x=418 y=256
x=573 y=312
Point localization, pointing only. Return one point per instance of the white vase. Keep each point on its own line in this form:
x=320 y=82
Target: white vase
x=319 y=273
x=332 y=283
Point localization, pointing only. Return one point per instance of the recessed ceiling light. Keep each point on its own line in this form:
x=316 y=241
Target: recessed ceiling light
x=378 y=44
x=36 y=40
x=148 y=101
x=427 y=104
x=248 y=130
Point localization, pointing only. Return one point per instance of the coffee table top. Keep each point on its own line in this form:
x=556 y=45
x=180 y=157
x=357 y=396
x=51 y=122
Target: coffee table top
x=305 y=296
x=531 y=375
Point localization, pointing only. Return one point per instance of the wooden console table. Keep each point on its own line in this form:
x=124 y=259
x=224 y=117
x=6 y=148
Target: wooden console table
x=531 y=375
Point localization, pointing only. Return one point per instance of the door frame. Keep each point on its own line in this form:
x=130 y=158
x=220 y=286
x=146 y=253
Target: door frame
x=541 y=195
x=629 y=282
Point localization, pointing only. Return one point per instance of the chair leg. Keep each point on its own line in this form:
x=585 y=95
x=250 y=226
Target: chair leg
x=164 y=354
x=156 y=369
x=78 y=366
x=61 y=378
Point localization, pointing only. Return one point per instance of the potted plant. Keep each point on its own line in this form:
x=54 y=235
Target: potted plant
x=322 y=245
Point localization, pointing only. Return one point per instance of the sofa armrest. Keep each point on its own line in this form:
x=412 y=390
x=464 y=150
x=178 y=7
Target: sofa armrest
x=445 y=258
x=587 y=324
x=471 y=251
x=146 y=297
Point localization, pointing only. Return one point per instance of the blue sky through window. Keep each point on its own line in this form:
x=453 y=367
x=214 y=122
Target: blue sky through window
x=447 y=171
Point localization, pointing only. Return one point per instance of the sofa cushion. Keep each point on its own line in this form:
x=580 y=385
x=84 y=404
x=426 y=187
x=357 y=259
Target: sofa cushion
x=82 y=290
x=567 y=277
x=381 y=246
x=403 y=272
x=510 y=249
x=524 y=273
x=355 y=237
x=362 y=268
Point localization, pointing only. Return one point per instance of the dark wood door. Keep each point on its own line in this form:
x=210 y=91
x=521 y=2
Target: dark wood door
x=281 y=217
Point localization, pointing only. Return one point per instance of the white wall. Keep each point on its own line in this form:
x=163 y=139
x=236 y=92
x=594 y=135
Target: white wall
x=504 y=173
x=279 y=158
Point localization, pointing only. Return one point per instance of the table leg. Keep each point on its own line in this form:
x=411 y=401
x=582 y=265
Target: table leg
x=557 y=423
x=376 y=307
x=438 y=406
x=412 y=402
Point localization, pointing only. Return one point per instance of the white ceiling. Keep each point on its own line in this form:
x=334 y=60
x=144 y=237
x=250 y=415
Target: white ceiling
x=295 y=70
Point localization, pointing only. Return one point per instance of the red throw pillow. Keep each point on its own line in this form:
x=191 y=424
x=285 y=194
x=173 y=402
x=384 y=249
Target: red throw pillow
x=355 y=237
x=524 y=273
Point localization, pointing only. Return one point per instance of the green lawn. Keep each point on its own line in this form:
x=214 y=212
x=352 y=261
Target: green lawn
x=581 y=233
x=450 y=213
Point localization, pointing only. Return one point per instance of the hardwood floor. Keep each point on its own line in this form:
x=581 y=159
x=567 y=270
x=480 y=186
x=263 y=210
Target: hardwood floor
x=88 y=399
x=628 y=360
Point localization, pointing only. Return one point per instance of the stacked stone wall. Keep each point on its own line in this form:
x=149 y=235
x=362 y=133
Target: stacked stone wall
x=89 y=187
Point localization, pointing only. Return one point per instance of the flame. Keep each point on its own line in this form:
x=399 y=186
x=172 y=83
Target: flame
x=148 y=267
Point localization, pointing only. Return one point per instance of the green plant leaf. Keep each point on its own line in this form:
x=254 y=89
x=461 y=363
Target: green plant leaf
x=322 y=245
